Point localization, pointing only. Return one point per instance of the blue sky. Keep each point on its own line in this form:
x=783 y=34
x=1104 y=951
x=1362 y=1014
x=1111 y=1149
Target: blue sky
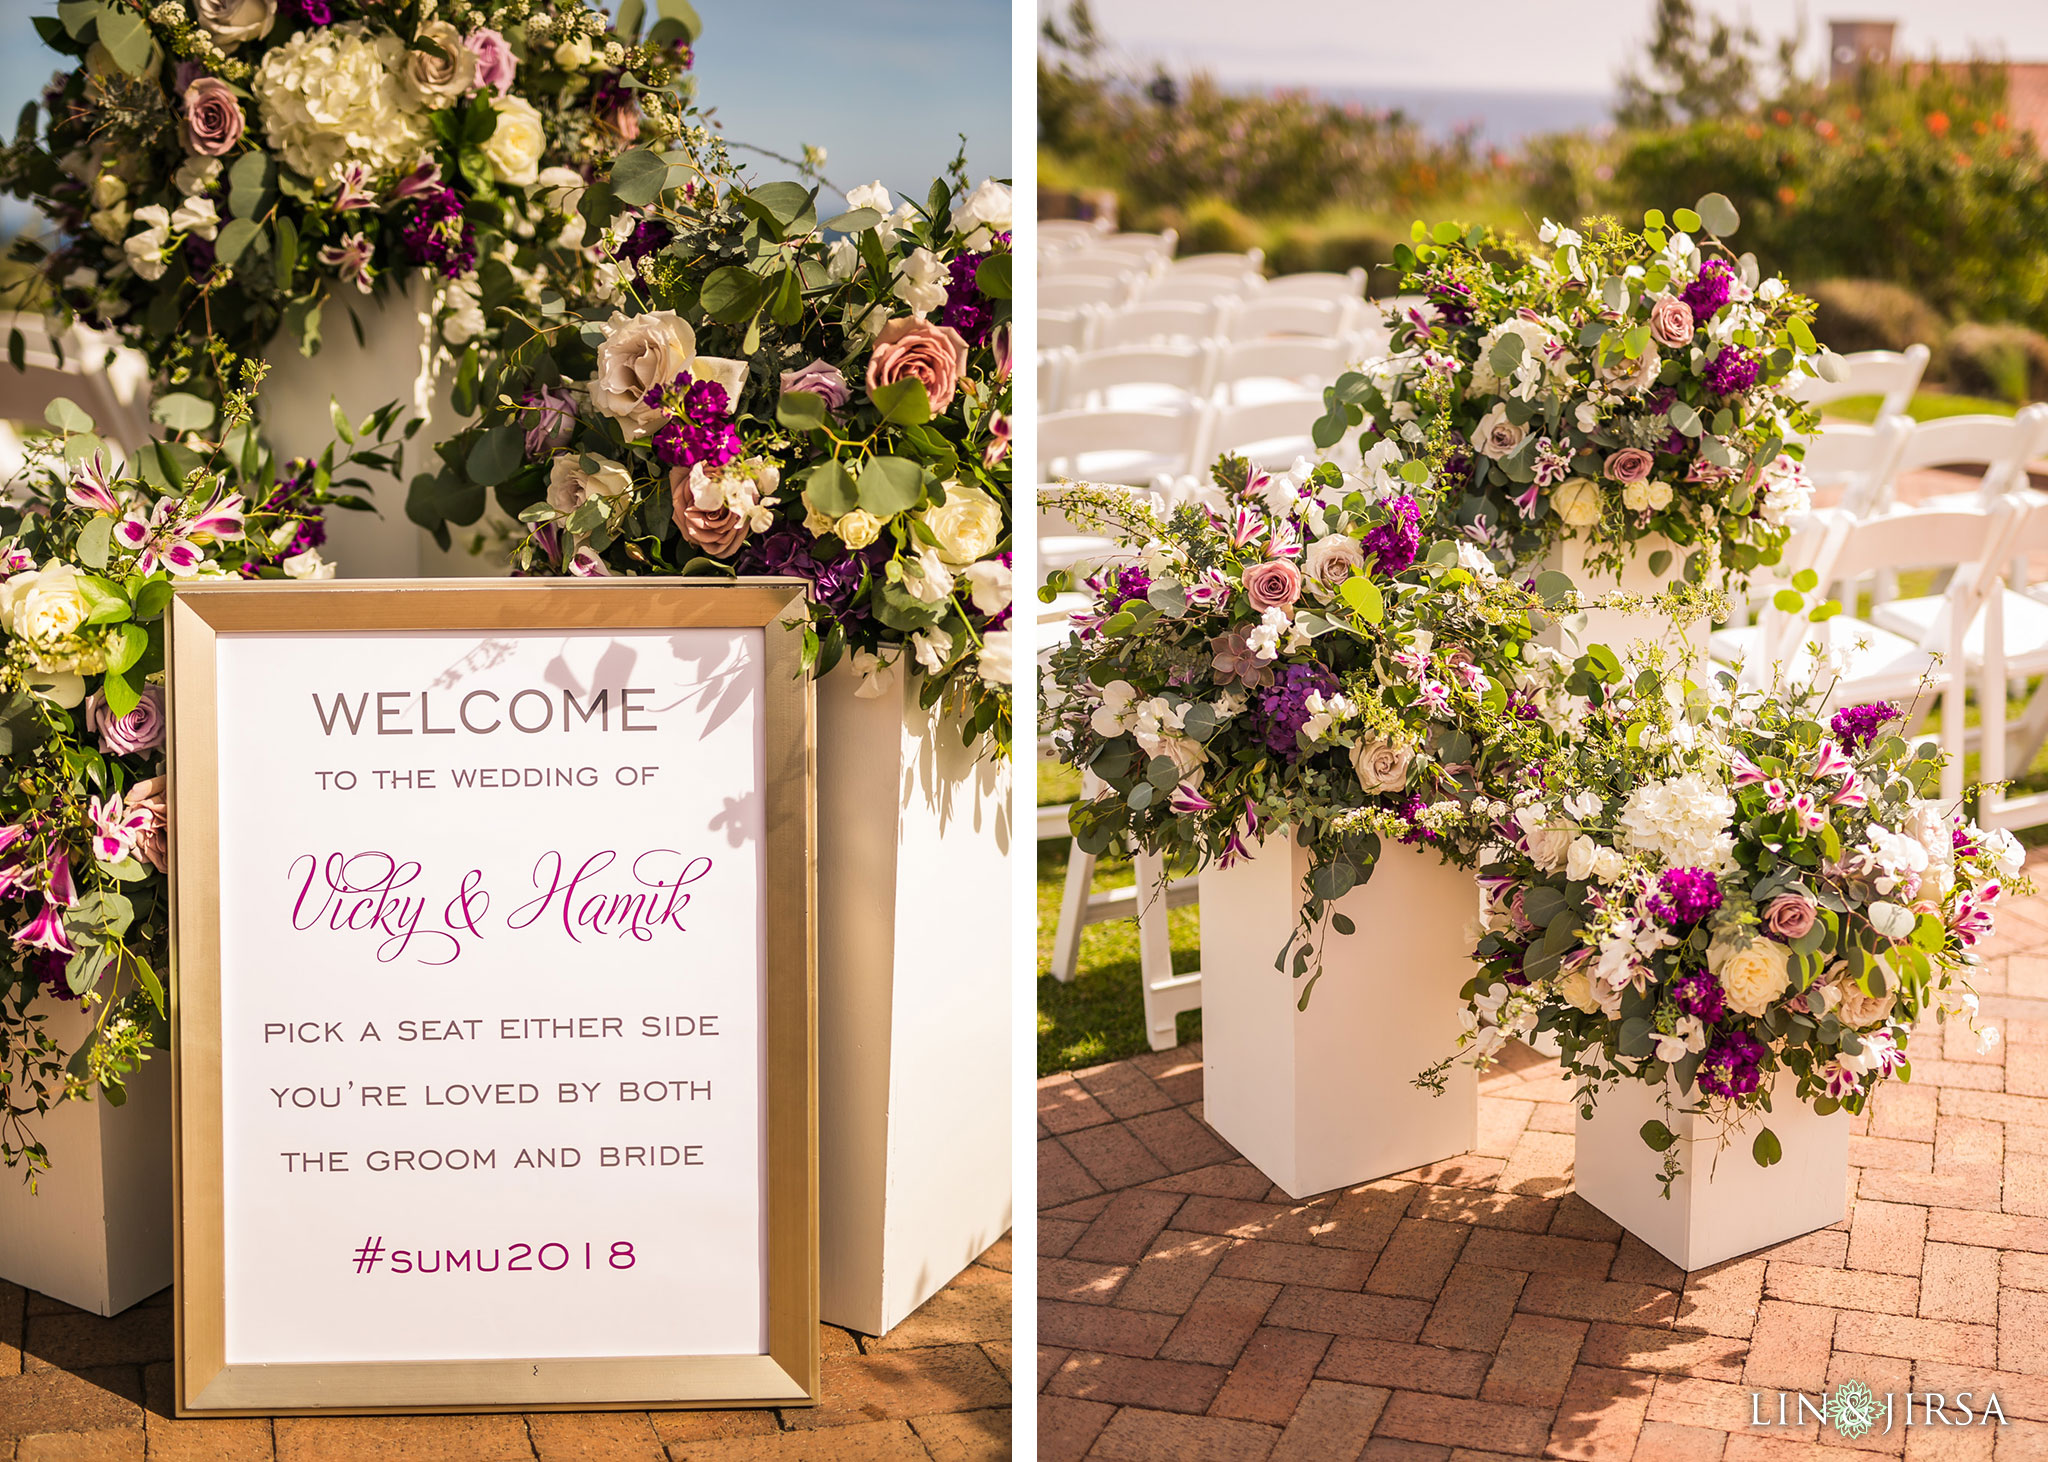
x=885 y=86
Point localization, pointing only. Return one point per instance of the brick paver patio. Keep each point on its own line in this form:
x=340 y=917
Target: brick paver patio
x=1478 y=1309
x=78 y=1388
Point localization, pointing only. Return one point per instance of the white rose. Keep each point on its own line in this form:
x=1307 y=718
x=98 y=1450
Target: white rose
x=983 y=214
x=1752 y=976
x=1577 y=503
x=573 y=55
x=308 y=565
x=233 y=21
x=994 y=662
x=516 y=143
x=968 y=524
x=43 y=605
x=988 y=585
x=1608 y=865
x=1549 y=845
x=1581 y=859
x=64 y=688
x=1659 y=495
x=561 y=189
x=1891 y=920
x=570 y=485
x=1381 y=766
x=858 y=528
x=639 y=353
x=921 y=281
x=1576 y=987
x=1635 y=496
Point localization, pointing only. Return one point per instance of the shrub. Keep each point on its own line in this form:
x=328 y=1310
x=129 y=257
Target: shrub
x=2009 y=362
x=1869 y=314
x=1211 y=226
x=1360 y=247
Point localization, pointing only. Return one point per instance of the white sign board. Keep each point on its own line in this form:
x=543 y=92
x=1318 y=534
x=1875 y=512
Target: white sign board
x=492 y=984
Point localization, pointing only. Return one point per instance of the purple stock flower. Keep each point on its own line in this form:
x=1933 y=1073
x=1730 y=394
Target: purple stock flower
x=1281 y=709
x=967 y=309
x=649 y=236
x=1732 y=1066
x=1710 y=291
x=436 y=234
x=1453 y=300
x=1700 y=994
x=1410 y=809
x=314 y=12
x=1731 y=372
x=699 y=427
x=1686 y=895
x=1118 y=585
x=1392 y=545
x=1857 y=726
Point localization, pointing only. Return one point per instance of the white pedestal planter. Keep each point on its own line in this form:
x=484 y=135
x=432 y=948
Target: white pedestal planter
x=1617 y=628
x=396 y=360
x=97 y=1231
x=1325 y=1098
x=914 y=1021
x=1724 y=1204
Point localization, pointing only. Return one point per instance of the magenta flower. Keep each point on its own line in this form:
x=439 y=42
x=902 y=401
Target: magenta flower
x=63 y=889
x=356 y=190
x=351 y=260
x=115 y=828
x=174 y=536
x=45 y=931
x=90 y=487
x=1187 y=800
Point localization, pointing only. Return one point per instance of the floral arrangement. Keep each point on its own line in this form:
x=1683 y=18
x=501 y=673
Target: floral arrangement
x=1289 y=656
x=90 y=556
x=223 y=170
x=1614 y=386
x=745 y=392
x=1718 y=892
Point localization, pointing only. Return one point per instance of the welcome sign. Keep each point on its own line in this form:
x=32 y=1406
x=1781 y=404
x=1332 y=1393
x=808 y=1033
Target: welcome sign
x=493 y=1013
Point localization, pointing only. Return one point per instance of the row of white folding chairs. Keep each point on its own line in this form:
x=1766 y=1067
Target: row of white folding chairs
x=1066 y=241
x=1137 y=446
x=1893 y=375
x=1115 y=291
x=1135 y=255
x=1099 y=328
x=1178 y=373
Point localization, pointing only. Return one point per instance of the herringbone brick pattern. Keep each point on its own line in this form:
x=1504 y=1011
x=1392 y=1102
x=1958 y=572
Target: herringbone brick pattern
x=1478 y=1309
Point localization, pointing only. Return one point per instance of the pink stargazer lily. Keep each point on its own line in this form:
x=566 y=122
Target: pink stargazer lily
x=174 y=536
x=1747 y=772
x=1831 y=761
x=45 y=931
x=1246 y=529
x=115 y=828
x=90 y=488
x=1187 y=800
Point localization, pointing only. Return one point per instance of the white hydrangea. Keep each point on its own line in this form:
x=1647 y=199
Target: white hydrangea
x=1684 y=820
x=335 y=96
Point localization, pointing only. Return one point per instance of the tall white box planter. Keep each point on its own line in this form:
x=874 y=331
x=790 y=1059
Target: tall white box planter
x=96 y=1233
x=398 y=359
x=1325 y=1098
x=914 y=1026
x=1618 y=628
x=1723 y=1204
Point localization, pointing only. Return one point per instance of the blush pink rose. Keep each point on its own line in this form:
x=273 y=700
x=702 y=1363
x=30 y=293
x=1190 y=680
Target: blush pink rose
x=1790 y=916
x=718 y=531
x=147 y=798
x=213 y=118
x=1671 y=322
x=142 y=729
x=821 y=379
x=495 y=63
x=918 y=350
x=1630 y=464
x=1274 y=584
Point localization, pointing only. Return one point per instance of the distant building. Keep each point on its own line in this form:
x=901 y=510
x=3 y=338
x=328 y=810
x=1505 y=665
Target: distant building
x=1855 y=44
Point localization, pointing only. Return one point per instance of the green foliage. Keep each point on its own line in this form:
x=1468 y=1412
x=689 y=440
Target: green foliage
x=1872 y=314
x=2008 y=362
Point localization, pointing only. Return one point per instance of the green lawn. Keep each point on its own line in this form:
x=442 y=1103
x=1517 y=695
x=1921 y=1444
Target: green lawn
x=1926 y=406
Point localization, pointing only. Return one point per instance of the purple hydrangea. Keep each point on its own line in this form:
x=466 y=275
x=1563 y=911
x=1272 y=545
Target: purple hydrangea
x=1392 y=545
x=1685 y=895
x=1281 y=708
x=699 y=428
x=1700 y=994
x=1732 y=1066
x=787 y=551
x=1856 y=726
x=1710 y=291
x=1731 y=372
x=437 y=236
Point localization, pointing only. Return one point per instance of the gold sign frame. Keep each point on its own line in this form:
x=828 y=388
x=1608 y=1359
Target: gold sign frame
x=787 y=1374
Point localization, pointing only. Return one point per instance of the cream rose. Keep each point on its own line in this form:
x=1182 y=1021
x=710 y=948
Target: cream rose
x=516 y=143
x=1752 y=976
x=1576 y=987
x=968 y=525
x=1496 y=436
x=1332 y=560
x=1577 y=503
x=1381 y=766
x=43 y=605
x=570 y=485
x=439 y=80
x=233 y=21
x=858 y=528
x=639 y=353
x=1859 y=1011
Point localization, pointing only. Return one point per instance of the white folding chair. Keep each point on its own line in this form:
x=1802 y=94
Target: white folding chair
x=1318 y=319
x=1067 y=233
x=1141 y=246
x=1064 y=329
x=1170 y=376
x=1349 y=285
x=1859 y=461
x=1147 y=324
x=1251 y=261
x=1109 y=263
x=1199 y=288
x=2003 y=444
x=1254 y=370
x=1129 y=447
x=1892 y=374
x=109 y=380
x=1269 y=434
x=1078 y=291
x=1052 y=374
x=1859 y=660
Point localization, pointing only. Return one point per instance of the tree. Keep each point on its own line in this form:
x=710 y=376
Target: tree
x=1701 y=68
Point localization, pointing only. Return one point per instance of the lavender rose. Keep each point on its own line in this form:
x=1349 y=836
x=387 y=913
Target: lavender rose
x=213 y=118
x=142 y=729
x=1630 y=464
x=1274 y=584
x=718 y=531
x=495 y=63
x=918 y=350
x=1790 y=916
x=820 y=379
x=1671 y=322
x=553 y=421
